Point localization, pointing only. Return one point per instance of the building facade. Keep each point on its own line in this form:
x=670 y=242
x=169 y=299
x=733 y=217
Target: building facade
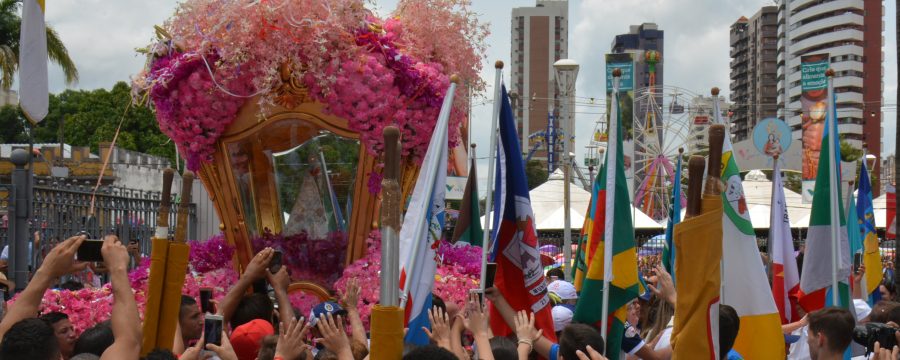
x=8 y=97
x=539 y=38
x=638 y=40
x=850 y=32
x=753 y=70
x=701 y=115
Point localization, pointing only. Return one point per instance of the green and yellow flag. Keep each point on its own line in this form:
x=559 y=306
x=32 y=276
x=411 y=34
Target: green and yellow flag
x=611 y=231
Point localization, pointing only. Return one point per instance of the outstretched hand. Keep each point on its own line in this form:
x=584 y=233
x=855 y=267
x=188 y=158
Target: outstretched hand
x=591 y=355
x=440 y=327
x=350 y=298
x=476 y=320
x=259 y=265
x=290 y=339
x=661 y=284
x=525 y=329
x=61 y=260
x=333 y=336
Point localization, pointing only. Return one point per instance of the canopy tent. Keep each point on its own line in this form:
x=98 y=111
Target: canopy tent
x=549 y=207
x=879 y=207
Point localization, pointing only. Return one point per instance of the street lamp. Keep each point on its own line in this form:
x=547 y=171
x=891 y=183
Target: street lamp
x=566 y=73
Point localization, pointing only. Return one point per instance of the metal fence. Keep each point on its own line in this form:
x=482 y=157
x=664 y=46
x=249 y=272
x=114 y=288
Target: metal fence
x=62 y=209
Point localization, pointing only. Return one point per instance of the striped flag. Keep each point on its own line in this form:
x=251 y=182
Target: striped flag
x=587 y=245
x=468 y=228
x=614 y=260
x=520 y=276
x=745 y=283
x=422 y=228
x=785 y=277
x=34 y=96
x=866 y=223
x=827 y=219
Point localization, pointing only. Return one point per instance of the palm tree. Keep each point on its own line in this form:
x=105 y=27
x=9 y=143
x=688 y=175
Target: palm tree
x=10 y=25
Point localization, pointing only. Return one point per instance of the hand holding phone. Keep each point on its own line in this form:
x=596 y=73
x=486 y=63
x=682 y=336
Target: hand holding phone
x=212 y=330
x=490 y=272
x=276 y=262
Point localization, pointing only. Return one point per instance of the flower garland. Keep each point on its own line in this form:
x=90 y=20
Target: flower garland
x=215 y=55
x=452 y=280
x=317 y=260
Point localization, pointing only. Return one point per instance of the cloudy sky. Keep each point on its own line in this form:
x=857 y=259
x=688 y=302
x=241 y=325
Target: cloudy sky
x=102 y=35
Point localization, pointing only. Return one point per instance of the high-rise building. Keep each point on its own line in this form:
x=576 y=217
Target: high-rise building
x=753 y=70
x=701 y=115
x=539 y=38
x=638 y=40
x=850 y=34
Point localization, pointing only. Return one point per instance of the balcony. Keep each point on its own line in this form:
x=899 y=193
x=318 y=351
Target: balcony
x=829 y=22
x=837 y=38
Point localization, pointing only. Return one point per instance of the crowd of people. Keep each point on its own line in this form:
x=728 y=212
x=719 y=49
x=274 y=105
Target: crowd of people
x=264 y=325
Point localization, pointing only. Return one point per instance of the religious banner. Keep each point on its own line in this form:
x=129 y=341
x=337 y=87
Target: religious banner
x=813 y=102
x=625 y=63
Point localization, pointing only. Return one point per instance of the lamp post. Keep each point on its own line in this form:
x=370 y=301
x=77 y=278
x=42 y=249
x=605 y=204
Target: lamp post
x=566 y=73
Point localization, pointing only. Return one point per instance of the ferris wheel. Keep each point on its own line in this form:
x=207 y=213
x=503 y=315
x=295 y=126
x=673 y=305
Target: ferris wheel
x=668 y=122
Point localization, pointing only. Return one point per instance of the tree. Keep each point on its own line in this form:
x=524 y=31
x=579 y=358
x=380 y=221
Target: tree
x=89 y=117
x=536 y=172
x=849 y=153
x=10 y=25
x=12 y=123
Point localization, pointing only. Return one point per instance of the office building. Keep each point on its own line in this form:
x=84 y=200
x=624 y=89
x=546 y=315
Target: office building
x=850 y=32
x=539 y=38
x=639 y=39
x=701 y=116
x=753 y=70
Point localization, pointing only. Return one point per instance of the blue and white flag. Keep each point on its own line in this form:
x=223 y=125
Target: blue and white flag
x=423 y=225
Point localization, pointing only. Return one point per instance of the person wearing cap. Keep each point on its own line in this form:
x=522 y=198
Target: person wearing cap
x=246 y=340
x=565 y=309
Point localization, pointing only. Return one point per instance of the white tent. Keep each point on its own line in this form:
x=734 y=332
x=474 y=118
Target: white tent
x=758 y=194
x=549 y=208
x=879 y=208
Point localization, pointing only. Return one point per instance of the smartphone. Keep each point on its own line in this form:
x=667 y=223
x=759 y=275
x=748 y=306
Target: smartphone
x=857 y=260
x=275 y=263
x=205 y=304
x=212 y=329
x=90 y=251
x=490 y=271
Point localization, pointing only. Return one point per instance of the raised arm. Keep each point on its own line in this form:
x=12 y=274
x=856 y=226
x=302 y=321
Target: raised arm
x=476 y=322
x=350 y=301
x=126 y=323
x=255 y=270
x=60 y=261
x=280 y=282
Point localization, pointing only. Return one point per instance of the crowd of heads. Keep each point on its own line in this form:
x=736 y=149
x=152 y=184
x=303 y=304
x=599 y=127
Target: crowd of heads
x=259 y=322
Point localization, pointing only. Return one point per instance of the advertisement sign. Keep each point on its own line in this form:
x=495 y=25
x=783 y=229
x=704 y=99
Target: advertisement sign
x=813 y=103
x=456 y=187
x=625 y=63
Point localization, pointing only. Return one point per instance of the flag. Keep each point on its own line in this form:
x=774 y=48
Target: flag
x=698 y=255
x=423 y=226
x=890 y=231
x=588 y=243
x=668 y=258
x=827 y=217
x=746 y=284
x=612 y=232
x=866 y=225
x=468 y=228
x=520 y=276
x=34 y=96
x=785 y=278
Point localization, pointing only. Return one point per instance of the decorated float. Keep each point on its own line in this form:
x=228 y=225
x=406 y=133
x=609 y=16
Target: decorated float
x=279 y=107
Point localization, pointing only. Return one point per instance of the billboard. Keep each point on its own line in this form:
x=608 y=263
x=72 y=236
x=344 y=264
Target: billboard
x=813 y=103
x=625 y=63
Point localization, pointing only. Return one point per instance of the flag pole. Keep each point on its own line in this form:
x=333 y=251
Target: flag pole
x=489 y=196
x=718 y=120
x=611 y=166
x=833 y=187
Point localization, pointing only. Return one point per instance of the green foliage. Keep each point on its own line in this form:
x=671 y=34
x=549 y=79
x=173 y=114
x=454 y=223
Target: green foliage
x=850 y=153
x=91 y=117
x=13 y=124
x=536 y=172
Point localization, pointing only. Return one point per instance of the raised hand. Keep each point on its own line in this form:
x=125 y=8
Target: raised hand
x=591 y=355
x=224 y=351
x=259 y=265
x=290 y=339
x=333 y=336
x=61 y=260
x=115 y=255
x=350 y=298
x=525 y=329
x=440 y=327
x=476 y=320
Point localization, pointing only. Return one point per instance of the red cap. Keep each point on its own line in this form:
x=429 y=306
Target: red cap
x=246 y=339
